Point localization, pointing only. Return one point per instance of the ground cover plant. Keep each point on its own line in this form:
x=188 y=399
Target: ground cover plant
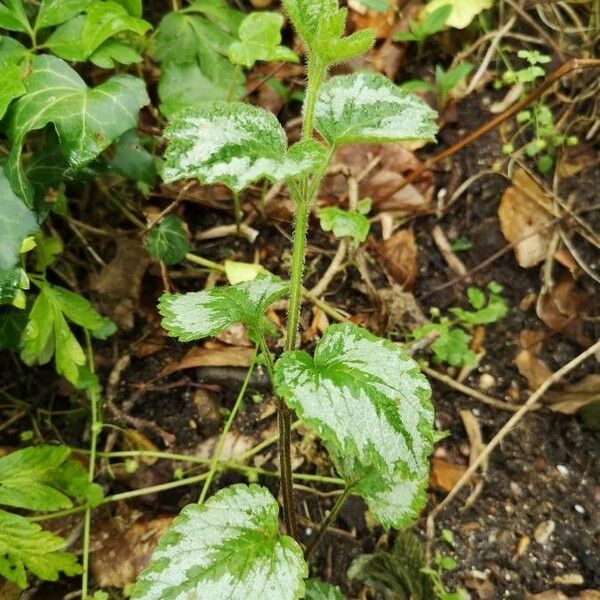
x=281 y=282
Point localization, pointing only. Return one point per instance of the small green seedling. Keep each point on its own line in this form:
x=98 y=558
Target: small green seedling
x=443 y=564
x=362 y=395
x=451 y=345
x=445 y=82
x=432 y=23
x=351 y=224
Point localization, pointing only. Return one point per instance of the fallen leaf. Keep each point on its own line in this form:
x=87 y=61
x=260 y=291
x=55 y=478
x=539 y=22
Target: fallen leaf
x=444 y=475
x=562 y=309
x=211 y=356
x=380 y=22
x=575 y=159
x=522 y=214
x=529 y=365
x=122 y=550
x=575 y=396
x=400 y=308
x=398 y=257
x=389 y=165
x=120 y=281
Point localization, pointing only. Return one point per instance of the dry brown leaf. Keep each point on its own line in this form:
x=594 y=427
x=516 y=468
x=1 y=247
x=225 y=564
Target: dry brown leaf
x=529 y=365
x=380 y=22
x=122 y=550
x=393 y=164
x=235 y=335
x=398 y=256
x=444 y=475
x=120 y=281
x=575 y=159
x=562 y=307
x=521 y=216
x=575 y=396
x=558 y=595
x=213 y=356
x=135 y=440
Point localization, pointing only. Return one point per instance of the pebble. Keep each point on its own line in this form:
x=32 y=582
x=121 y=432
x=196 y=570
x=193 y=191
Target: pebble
x=579 y=509
x=569 y=579
x=543 y=531
x=562 y=470
x=486 y=382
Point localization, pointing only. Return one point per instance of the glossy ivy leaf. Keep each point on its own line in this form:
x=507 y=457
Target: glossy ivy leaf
x=344 y=223
x=368 y=107
x=167 y=241
x=260 y=39
x=197 y=315
x=16 y=223
x=25 y=545
x=41 y=478
x=321 y=25
x=13 y=65
x=370 y=403
x=234 y=144
x=132 y=160
x=77 y=39
x=229 y=547
x=319 y=590
x=87 y=120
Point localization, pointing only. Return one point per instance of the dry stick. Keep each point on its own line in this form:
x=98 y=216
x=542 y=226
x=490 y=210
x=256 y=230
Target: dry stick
x=507 y=428
x=564 y=69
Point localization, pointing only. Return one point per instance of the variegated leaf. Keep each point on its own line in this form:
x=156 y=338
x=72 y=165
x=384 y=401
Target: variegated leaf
x=234 y=144
x=197 y=315
x=370 y=403
x=228 y=547
x=368 y=107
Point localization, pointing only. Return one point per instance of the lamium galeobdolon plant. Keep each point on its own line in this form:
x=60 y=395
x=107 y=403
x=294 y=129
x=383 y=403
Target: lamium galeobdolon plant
x=363 y=395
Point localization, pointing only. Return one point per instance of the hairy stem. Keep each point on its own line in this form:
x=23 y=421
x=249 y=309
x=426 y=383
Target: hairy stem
x=316 y=538
x=316 y=73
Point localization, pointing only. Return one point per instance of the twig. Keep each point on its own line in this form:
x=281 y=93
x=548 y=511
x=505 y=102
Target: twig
x=507 y=428
x=441 y=241
x=334 y=266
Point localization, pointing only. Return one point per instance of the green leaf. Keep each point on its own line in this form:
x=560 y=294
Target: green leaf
x=78 y=309
x=16 y=223
x=319 y=590
x=78 y=38
x=112 y=52
x=476 y=297
x=344 y=223
x=448 y=80
x=197 y=315
x=12 y=324
x=370 y=404
x=132 y=160
x=87 y=120
x=11 y=281
x=229 y=547
x=25 y=545
x=368 y=107
x=26 y=476
x=234 y=144
x=435 y=20
x=463 y=11
x=13 y=16
x=12 y=86
x=168 y=241
x=452 y=347
x=55 y=12
x=321 y=25
x=260 y=39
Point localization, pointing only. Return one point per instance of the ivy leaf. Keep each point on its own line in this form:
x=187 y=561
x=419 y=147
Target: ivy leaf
x=463 y=11
x=168 y=241
x=344 y=223
x=260 y=39
x=321 y=25
x=132 y=160
x=368 y=107
x=370 y=404
x=197 y=315
x=25 y=545
x=16 y=223
x=234 y=144
x=228 y=547
x=319 y=590
x=12 y=86
x=87 y=120
x=78 y=38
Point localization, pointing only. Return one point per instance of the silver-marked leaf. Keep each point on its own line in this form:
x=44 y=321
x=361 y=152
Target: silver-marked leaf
x=368 y=107
x=260 y=39
x=16 y=222
x=344 y=223
x=234 y=144
x=87 y=120
x=370 y=403
x=228 y=547
x=197 y=315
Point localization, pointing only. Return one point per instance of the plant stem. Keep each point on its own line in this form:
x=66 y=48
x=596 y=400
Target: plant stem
x=316 y=538
x=219 y=449
x=95 y=428
x=316 y=69
x=237 y=209
x=236 y=71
